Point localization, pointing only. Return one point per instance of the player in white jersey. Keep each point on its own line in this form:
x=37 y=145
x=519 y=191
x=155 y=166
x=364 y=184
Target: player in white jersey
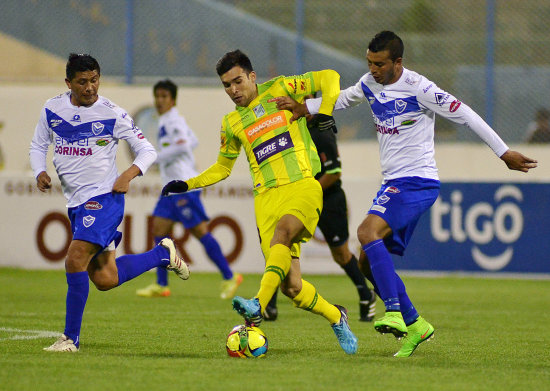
x=176 y=142
x=85 y=129
x=403 y=105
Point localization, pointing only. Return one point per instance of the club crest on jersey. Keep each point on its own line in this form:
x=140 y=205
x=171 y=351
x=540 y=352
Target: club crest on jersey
x=76 y=118
x=382 y=199
x=259 y=111
x=97 y=127
x=88 y=221
x=400 y=105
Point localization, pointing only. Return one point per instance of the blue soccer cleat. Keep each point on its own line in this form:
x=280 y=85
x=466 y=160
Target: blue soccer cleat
x=346 y=338
x=250 y=310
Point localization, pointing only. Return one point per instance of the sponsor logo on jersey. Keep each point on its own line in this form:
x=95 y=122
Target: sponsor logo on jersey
x=76 y=118
x=408 y=122
x=55 y=122
x=400 y=105
x=382 y=199
x=73 y=151
x=441 y=98
x=109 y=105
x=93 y=205
x=259 y=111
x=261 y=127
x=392 y=189
x=273 y=146
x=102 y=142
x=386 y=130
x=427 y=88
x=455 y=104
x=88 y=221
x=97 y=128
x=371 y=99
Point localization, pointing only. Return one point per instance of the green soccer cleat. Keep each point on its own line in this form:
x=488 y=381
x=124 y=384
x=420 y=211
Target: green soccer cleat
x=418 y=332
x=154 y=290
x=393 y=323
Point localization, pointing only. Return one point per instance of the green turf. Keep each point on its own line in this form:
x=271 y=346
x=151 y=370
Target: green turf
x=490 y=334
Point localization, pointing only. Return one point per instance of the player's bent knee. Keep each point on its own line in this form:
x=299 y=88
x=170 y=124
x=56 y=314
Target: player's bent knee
x=104 y=283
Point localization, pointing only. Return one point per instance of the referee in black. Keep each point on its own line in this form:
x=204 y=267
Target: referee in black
x=333 y=222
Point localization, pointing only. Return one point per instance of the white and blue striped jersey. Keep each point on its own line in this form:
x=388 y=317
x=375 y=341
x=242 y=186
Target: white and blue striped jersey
x=404 y=117
x=176 y=142
x=85 y=141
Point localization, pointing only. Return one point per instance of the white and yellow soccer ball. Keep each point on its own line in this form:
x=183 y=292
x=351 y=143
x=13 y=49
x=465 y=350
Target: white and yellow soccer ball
x=246 y=342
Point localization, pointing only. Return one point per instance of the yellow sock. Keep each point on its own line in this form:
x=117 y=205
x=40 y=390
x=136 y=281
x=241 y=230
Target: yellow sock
x=309 y=300
x=276 y=269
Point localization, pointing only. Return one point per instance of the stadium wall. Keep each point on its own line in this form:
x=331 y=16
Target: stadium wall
x=487 y=218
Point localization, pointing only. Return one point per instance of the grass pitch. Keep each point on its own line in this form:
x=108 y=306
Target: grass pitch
x=490 y=334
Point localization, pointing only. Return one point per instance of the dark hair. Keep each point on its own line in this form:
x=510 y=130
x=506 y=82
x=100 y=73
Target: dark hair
x=387 y=40
x=168 y=85
x=80 y=63
x=232 y=59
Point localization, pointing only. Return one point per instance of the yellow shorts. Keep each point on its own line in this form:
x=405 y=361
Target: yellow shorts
x=303 y=199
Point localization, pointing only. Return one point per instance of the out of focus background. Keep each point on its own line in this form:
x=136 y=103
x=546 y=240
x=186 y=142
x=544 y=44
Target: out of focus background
x=493 y=55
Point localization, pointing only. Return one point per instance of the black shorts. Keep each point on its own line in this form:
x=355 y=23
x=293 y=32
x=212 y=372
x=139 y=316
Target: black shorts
x=333 y=222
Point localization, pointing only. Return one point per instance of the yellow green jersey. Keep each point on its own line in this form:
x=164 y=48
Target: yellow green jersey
x=278 y=152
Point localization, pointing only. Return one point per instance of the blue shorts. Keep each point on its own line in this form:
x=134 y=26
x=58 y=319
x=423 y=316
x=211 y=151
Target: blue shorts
x=97 y=219
x=401 y=202
x=186 y=208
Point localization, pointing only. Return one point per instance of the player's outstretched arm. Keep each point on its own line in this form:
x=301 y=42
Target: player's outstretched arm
x=297 y=109
x=213 y=174
x=516 y=161
x=43 y=181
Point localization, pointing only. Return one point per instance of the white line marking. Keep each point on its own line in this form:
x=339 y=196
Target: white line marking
x=27 y=334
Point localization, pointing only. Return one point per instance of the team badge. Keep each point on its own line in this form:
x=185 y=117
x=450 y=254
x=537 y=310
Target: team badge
x=88 y=221
x=400 y=105
x=382 y=199
x=97 y=127
x=259 y=111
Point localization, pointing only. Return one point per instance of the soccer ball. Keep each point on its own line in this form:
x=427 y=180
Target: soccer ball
x=246 y=342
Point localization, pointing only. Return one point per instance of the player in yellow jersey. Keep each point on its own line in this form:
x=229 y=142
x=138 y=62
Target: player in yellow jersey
x=283 y=162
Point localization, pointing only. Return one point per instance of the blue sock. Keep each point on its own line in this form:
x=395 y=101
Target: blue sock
x=383 y=272
x=407 y=308
x=214 y=252
x=162 y=273
x=77 y=295
x=131 y=266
